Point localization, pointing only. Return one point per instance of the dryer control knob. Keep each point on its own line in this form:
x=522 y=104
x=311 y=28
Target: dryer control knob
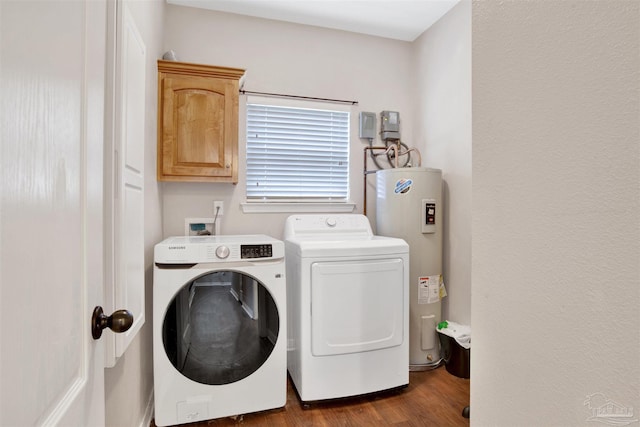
x=331 y=222
x=222 y=252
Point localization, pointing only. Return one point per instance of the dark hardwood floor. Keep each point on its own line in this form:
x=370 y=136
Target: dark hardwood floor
x=433 y=398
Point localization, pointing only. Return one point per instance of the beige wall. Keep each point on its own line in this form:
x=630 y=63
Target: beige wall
x=293 y=59
x=442 y=123
x=556 y=210
x=129 y=385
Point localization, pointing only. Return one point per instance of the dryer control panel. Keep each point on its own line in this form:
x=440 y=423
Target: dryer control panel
x=324 y=226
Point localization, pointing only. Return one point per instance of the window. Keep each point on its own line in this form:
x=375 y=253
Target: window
x=297 y=153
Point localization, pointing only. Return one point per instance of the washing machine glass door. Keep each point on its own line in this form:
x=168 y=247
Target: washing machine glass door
x=220 y=328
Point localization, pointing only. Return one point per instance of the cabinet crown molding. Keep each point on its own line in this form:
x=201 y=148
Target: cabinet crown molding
x=191 y=69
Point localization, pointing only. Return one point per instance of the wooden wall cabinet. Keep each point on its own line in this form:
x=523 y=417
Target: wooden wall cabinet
x=197 y=122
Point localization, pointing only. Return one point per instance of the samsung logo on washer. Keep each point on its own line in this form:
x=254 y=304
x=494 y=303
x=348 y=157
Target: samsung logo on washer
x=177 y=247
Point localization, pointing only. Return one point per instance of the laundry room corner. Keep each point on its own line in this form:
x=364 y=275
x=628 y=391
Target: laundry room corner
x=442 y=56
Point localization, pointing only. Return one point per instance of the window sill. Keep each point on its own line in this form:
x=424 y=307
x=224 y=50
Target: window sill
x=297 y=207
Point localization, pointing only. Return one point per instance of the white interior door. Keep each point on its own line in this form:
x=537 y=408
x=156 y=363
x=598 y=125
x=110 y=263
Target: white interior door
x=125 y=191
x=51 y=275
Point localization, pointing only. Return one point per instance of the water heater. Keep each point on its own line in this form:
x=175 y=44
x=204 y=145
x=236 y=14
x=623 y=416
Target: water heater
x=409 y=206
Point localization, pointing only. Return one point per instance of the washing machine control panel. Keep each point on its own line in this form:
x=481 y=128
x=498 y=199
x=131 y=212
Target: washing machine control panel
x=256 y=251
x=205 y=249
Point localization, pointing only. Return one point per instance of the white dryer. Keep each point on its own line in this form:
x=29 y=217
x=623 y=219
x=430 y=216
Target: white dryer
x=219 y=327
x=348 y=307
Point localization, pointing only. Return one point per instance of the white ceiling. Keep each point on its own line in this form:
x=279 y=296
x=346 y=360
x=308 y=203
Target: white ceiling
x=393 y=19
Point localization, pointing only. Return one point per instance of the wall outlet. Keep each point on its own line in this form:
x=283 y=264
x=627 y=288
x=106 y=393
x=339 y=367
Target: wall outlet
x=218 y=204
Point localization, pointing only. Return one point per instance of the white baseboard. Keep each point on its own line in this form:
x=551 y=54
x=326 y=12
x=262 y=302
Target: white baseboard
x=148 y=413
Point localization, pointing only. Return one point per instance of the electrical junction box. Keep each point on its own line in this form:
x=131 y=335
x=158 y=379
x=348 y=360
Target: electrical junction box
x=367 y=125
x=390 y=125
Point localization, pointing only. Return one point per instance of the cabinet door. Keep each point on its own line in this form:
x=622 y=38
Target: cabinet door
x=199 y=127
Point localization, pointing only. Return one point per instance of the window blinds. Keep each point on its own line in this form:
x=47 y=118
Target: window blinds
x=297 y=153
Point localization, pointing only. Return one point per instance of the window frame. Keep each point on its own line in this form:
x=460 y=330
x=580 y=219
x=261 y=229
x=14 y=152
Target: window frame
x=302 y=205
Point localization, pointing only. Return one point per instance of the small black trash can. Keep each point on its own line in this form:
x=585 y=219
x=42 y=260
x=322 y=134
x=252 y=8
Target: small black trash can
x=457 y=359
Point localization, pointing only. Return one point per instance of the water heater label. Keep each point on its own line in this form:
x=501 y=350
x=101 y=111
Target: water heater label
x=428 y=216
x=403 y=186
x=430 y=213
x=429 y=289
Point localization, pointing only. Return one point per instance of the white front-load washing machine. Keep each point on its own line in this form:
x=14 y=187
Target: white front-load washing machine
x=219 y=327
x=348 y=301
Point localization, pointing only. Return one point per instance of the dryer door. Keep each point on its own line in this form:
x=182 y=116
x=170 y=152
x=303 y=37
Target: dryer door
x=356 y=306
